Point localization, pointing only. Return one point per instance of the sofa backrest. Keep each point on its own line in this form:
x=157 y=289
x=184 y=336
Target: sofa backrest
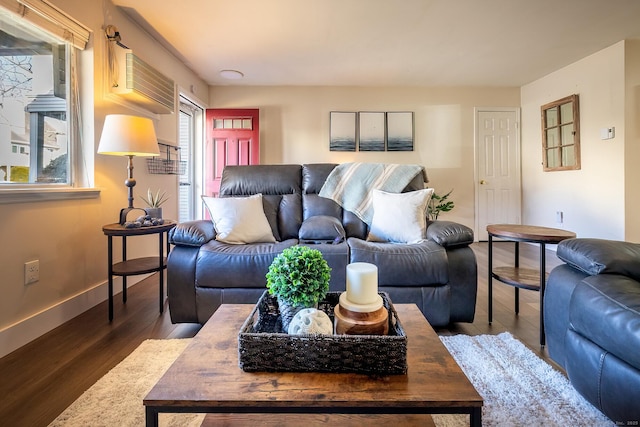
x=290 y=195
x=313 y=177
x=281 y=188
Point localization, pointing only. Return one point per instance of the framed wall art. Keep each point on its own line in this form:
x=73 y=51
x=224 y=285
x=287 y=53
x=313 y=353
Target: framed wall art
x=400 y=131
x=343 y=131
x=371 y=131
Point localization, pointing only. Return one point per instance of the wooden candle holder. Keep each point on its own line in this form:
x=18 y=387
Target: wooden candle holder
x=349 y=322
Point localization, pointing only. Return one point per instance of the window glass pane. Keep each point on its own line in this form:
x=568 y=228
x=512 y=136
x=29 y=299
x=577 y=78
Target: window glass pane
x=551 y=116
x=228 y=124
x=553 y=138
x=218 y=124
x=566 y=113
x=567 y=134
x=553 y=158
x=568 y=155
x=247 y=124
x=237 y=123
x=185 y=192
x=33 y=106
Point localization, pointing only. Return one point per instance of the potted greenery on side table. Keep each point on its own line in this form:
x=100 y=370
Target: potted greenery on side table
x=299 y=278
x=154 y=203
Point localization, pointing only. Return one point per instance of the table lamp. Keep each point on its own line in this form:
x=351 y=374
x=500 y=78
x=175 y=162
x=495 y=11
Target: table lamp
x=129 y=136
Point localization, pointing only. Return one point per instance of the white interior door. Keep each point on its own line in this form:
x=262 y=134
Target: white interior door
x=498 y=180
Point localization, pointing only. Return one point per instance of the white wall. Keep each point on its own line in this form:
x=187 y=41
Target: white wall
x=66 y=236
x=632 y=145
x=592 y=198
x=294 y=124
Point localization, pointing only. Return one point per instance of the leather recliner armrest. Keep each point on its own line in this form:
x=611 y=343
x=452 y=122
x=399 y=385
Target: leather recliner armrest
x=449 y=234
x=192 y=233
x=600 y=256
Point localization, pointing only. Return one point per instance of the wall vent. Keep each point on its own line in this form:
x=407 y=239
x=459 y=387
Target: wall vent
x=140 y=83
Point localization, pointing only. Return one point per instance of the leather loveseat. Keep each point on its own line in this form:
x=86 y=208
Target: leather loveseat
x=592 y=318
x=438 y=274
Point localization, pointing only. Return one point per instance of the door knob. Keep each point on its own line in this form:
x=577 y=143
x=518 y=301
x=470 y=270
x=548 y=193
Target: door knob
x=483 y=182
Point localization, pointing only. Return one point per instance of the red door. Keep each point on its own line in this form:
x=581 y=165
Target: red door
x=233 y=138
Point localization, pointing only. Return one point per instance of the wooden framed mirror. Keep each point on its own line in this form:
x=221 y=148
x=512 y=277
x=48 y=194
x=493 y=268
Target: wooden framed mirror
x=561 y=134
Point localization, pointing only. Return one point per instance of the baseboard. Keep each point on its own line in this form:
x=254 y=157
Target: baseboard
x=20 y=333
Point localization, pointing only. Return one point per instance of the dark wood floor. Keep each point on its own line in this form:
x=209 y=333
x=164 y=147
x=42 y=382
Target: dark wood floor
x=39 y=380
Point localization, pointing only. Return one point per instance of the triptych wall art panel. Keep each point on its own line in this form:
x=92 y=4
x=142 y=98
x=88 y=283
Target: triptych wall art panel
x=343 y=131
x=371 y=131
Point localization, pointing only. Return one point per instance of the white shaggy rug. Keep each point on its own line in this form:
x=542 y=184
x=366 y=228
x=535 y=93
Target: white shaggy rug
x=519 y=388
x=116 y=399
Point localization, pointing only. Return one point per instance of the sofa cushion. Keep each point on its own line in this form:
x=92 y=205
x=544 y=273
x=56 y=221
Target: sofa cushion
x=314 y=175
x=313 y=205
x=322 y=228
x=265 y=179
x=271 y=206
x=239 y=220
x=221 y=265
x=421 y=264
x=599 y=256
x=399 y=217
x=606 y=310
x=290 y=216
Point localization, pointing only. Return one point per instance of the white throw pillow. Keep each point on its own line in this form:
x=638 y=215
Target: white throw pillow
x=399 y=217
x=239 y=220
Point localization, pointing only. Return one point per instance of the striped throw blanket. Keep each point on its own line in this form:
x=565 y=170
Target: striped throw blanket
x=351 y=184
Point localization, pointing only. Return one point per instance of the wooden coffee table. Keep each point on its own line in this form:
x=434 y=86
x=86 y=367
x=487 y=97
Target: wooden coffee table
x=516 y=276
x=206 y=379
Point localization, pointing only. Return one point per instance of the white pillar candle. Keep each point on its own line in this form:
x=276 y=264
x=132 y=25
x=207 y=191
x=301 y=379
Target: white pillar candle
x=362 y=283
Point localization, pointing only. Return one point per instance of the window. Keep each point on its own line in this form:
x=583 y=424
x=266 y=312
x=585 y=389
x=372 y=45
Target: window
x=39 y=116
x=190 y=137
x=561 y=134
x=33 y=106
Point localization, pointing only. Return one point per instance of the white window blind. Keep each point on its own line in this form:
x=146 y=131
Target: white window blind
x=49 y=18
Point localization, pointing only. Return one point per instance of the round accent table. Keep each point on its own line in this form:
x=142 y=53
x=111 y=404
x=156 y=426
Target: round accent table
x=516 y=276
x=132 y=267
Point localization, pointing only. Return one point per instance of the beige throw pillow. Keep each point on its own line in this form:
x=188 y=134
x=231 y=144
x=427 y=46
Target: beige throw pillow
x=399 y=217
x=239 y=220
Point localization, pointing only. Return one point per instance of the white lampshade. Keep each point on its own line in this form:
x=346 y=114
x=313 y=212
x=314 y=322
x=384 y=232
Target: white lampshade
x=124 y=135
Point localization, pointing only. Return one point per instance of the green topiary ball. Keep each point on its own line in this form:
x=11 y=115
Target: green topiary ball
x=300 y=276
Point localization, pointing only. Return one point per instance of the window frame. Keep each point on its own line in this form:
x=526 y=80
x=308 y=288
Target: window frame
x=555 y=128
x=45 y=17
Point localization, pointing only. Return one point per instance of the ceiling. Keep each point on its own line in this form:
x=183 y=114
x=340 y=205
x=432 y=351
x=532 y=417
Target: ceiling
x=384 y=42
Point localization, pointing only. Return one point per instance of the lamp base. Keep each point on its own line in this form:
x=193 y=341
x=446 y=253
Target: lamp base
x=125 y=211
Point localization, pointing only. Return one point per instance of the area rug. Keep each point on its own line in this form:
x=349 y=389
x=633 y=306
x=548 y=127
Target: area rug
x=116 y=399
x=518 y=388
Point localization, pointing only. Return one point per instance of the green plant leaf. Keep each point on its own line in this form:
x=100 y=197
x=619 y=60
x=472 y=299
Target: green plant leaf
x=439 y=204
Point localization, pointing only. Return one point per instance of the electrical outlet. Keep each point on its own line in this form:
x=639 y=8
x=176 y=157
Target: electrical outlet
x=31 y=272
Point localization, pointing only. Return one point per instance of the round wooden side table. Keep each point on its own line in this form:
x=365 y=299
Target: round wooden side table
x=516 y=276
x=132 y=267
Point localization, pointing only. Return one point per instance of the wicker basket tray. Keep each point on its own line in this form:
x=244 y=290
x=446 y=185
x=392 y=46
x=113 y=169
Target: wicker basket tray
x=262 y=346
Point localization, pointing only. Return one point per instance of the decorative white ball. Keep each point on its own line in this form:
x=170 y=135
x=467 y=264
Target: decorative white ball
x=310 y=321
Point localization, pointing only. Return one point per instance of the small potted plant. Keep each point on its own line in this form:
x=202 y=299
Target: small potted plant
x=154 y=203
x=439 y=204
x=299 y=278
